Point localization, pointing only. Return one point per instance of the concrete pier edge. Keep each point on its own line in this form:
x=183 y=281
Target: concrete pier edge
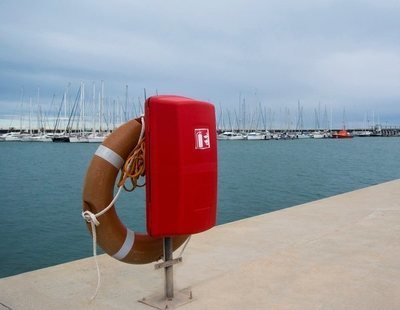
x=341 y=252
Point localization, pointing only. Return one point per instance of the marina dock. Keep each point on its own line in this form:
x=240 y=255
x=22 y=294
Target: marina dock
x=342 y=252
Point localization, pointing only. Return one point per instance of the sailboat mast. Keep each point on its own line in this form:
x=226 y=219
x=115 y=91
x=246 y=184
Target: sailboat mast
x=101 y=104
x=119 y=111
x=30 y=115
x=126 y=103
x=94 y=108
x=21 y=107
x=38 y=110
x=67 y=107
x=83 y=108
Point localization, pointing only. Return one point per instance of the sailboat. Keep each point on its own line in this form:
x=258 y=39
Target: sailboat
x=41 y=135
x=230 y=135
x=256 y=134
x=63 y=136
x=317 y=134
x=80 y=135
x=98 y=137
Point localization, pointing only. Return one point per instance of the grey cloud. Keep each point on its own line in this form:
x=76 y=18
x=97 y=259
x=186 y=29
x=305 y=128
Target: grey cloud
x=340 y=53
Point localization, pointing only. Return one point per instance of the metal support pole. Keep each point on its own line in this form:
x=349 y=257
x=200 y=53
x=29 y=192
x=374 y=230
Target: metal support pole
x=170 y=300
x=169 y=276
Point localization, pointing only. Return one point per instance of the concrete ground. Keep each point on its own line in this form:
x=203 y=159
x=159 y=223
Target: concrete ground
x=342 y=252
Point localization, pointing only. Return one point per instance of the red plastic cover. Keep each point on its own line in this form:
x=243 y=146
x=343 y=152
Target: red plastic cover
x=181 y=166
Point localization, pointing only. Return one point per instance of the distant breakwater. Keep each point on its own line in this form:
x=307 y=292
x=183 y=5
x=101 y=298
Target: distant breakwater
x=385 y=131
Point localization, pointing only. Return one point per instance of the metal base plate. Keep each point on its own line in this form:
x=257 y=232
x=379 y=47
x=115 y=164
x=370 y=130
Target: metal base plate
x=159 y=301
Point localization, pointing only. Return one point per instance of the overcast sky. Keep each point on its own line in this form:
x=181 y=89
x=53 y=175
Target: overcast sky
x=339 y=54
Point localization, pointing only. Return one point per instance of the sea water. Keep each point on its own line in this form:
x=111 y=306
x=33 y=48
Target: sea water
x=41 y=189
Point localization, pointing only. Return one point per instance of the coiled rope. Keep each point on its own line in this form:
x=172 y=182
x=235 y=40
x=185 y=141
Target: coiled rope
x=134 y=166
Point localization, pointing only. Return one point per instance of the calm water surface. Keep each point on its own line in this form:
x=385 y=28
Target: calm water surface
x=41 y=184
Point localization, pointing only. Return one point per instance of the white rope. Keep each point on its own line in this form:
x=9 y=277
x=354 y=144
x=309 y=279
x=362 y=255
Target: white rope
x=93 y=225
x=184 y=246
x=91 y=218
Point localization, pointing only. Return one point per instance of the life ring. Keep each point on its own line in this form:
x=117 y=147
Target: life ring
x=113 y=237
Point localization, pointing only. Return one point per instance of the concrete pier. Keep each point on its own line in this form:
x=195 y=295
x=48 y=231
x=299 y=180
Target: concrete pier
x=342 y=252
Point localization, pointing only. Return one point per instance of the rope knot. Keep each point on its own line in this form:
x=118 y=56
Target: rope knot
x=90 y=218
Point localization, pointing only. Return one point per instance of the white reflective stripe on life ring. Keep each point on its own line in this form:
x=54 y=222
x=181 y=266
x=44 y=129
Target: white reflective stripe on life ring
x=110 y=156
x=127 y=246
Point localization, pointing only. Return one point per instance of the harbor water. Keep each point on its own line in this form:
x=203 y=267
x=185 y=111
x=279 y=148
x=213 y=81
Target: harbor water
x=41 y=186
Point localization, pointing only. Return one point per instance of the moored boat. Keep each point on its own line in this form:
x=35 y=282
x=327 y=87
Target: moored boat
x=303 y=135
x=342 y=134
x=230 y=135
x=60 y=138
x=317 y=135
x=12 y=136
x=254 y=135
x=78 y=139
x=96 y=137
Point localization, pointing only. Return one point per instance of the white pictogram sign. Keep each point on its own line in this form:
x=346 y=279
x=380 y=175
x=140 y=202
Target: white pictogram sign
x=202 y=138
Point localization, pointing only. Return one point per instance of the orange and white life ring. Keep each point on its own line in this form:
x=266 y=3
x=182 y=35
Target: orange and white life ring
x=113 y=237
